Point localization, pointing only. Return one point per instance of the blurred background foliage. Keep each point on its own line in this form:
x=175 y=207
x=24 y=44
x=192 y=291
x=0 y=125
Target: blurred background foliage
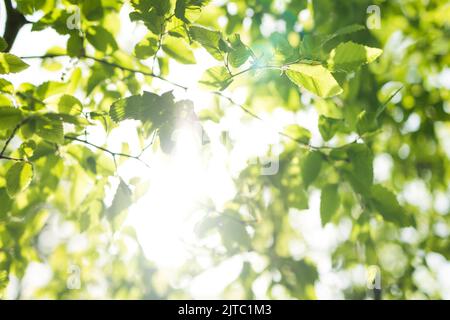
x=377 y=160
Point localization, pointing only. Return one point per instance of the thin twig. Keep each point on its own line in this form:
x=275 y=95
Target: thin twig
x=112 y=153
x=11 y=136
x=111 y=64
x=384 y=105
x=218 y=93
x=12 y=159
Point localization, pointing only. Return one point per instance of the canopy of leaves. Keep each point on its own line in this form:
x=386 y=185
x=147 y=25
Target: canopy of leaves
x=359 y=172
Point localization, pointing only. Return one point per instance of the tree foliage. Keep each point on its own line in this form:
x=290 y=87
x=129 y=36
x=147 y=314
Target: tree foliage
x=364 y=88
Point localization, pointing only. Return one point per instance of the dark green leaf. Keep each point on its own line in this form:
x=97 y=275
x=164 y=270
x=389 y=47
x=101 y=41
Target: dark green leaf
x=329 y=126
x=101 y=39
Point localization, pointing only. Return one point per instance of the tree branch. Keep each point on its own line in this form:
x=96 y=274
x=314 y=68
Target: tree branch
x=112 y=153
x=12 y=159
x=111 y=64
x=14 y=22
x=217 y=93
x=11 y=136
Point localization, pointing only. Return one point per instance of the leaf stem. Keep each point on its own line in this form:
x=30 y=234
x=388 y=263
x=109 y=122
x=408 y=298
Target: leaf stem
x=112 y=153
x=111 y=64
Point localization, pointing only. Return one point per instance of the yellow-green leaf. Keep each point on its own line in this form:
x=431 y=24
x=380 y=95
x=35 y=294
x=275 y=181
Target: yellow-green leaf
x=9 y=117
x=147 y=47
x=349 y=56
x=179 y=50
x=216 y=78
x=314 y=78
x=18 y=178
x=9 y=63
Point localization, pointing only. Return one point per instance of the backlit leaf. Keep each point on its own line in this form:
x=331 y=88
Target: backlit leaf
x=311 y=167
x=9 y=63
x=329 y=203
x=349 y=56
x=314 y=78
x=179 y=50
x=18 y=177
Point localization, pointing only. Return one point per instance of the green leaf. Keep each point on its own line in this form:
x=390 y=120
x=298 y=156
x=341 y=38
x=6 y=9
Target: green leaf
x=166 y=137
x=50 y=129
x=344 y=31
x=179 y=50
x=18 y=177
x=366 y=122
x=297 y=198
x=92 y=10
x=3 y=44
x=6 y=86
x=283 y=52
x=101 y=39
x=209 y=39
x=27 y=148
x=147 y=47
x=329 y=203
x=146 y=107
x=189 y=10
x=216 y=78
x=311 y=167
x=9 y=117
x=298 y=133
x=314 y=78
x=349 y=56
x=239 y=53
x=6 y=202
x=69 y=105
x=152 y=20
x=9 y=63
x=122 y=200
x=233 y=232
x=360 y=170
x=329 y=126
x=126 y=108
x=387 y=205
x=75 y=45
x=204 y=226
x=50 y=88
x=68 y=118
